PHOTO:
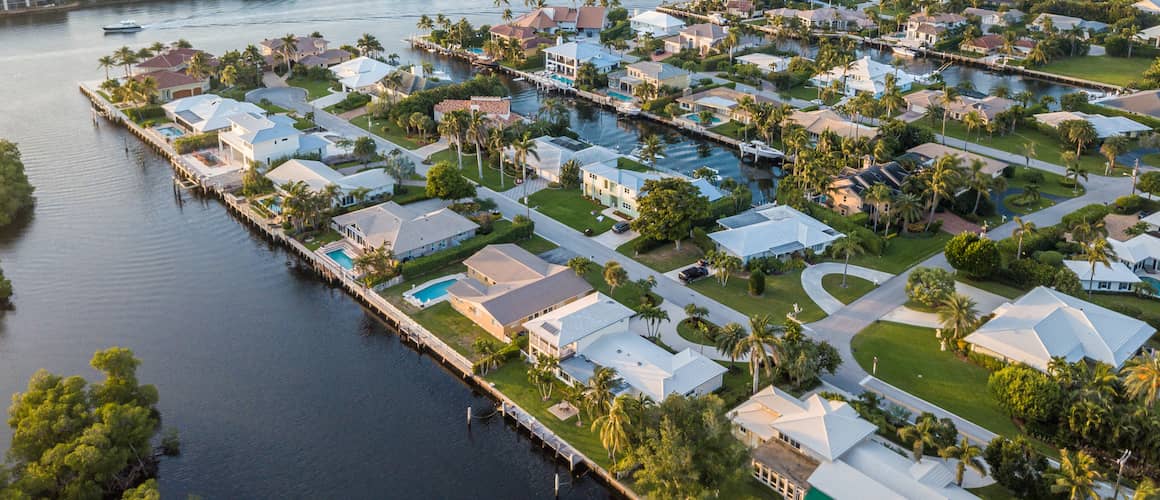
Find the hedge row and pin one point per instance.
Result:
(143, 113)
(422, 265)
(190, 143)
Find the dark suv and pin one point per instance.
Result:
(692, 274)
(620, 227)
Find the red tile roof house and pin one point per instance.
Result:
(739, 8)
(529, 40)
(496, 109)
(175, 60)
(986, 44)
(586, 21)
(174, 85)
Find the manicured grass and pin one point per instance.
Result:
(315, 89)
(321, 239)
(1114, 70)
(1145, 305)
(272, 108)
(1152, 159)
(995, 491)
(490, 179)
(390, 131)
(994, 287)
(1047, 147)
(625, 163)
(411, 195)
(691, 333)
(451, 327)
(303, 124)
(569, 207)
(737, 384)
(903, 252)
(1014, 203)
(630, 294)
(781, 293)
(666, 258)
(537, 245)
(730, 129)
(802, 92)
(855, 287)
(1053, 184)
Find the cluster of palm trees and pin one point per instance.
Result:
(771, 349)
(723, 264)
(926, 431)
(306, 209)
(1054, 44)
(473, 127)
(458, 33)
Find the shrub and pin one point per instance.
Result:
(645, 244)
(1126, 309)
(1009, 171)
(757, 283)
(930, 286)
(1128, 204)
(147, 112)
(975, 256)
(1049, 257)
(1030, 273)
(1091, 213)
(520, 229)
(987, 362)
(190, 143)
(353, 100)
(1032, 175)
(1067, 282)
(702, 240)
(1025, 393)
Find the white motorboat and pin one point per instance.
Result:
(760, 150)
(127, 26)
(904, 52)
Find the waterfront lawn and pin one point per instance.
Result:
(315, 89)
(570, 208)
(320, 239)
(537, 244)
(903, 252)
(666, 257)
(388, 130)
(630, 294)
(731, 129)
(855, 287)
(781, 293)
(1047, 146)
(1120, 71)
(450, 326)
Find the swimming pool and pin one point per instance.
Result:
(475, 50)
(342, 258)
(618, 96)
(169, 131)
(561, 79)
(435, 291)
(1152, 281)
(697, 119)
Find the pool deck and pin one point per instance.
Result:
(409, 295)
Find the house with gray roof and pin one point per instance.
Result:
(372, 183)
(620, 188)
(406, 232)
(772, 231)
(507, 286)
(258, 138)
(653, 73)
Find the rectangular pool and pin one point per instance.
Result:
(170, 132)
(434, 291)
(697, 119)
(342, 258)
(618, 96)
(476, 50)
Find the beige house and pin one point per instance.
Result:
(724, 102)
(848, 191)
(175, 85)
(407, 233)
(930, 152)
(703, 38)
(506, 286)
(826, 18)
(927, 29)
(988, 107)
(272, 48)
(654, 73)
(819, 121)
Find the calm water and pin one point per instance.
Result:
(281, 386)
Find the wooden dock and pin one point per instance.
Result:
(408, 330)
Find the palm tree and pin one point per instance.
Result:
(957, 313)
(523, 147)
(580, 265)
(1111, 148)
(1022, 228)
(979, 181)
(614, 275)
(1076, 477)
(762, 346)
(909, 208)
(425, 23)
(614, 427)
(727, 339)
(476, 122)
(497, 140)
(451, 127)
(696, 314)
(369, 45)
(944, 179)
(891, 96)
(922, 433)
(1029, 152)
(106, 63)
(878, 194)
(598, 392)
(949, 96)
(1142, 378)
(1097, 252)
(968, 455)
(651, 147)
(974, 121)
(653, 316)
(126, 58)
(229, 75)
(850, 245)
(197, 67)
(1074, 171)
(289, 48)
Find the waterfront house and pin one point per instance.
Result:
(412, 81)
(703, 38)
(1111, 278)
(927, 29)
(987, 107)
(772, 231)
(1148, 6)
(506, 286)
(373, 183)
(175, 85)
(497, 110)
(326, 59)
(847, 191)
(655, 24)
(362, 74)
(985, 45)
(740, 8)
(657, 74)
(930, 152)
(258, 138)
(1106, 126)
(1144, 102)
(585, 21)
(564, 59)
(1141, 253)
(530, 41)
(620, 188)
(827, 18)
(594, 332)
(989, 18)
(175, 60)
(1061, 23)
(272, 48)
(1044, 323)
(864, 75)
(820, 121)
(406, 232)
(724, 102)
(556, 151)
(767, 63)
(822, 447)
(207, 112)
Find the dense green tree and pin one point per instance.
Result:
(446, 182)
(1018, 467)
(757, 283)
(1067, 281)
(15, 191)
(668, 209)
(1025, 393)
(973, 255)
(930, 286)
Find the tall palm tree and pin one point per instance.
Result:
(727, 339)
(369, 45)
(1142, 378)
(650, 148)
(229, 75)
(980, 181)
(958, 314)
(891, 99)
(497, 141)
(1022, 228)
(476, 122)
(974, 121)
(198, 67)
(1076, 477)
(949, 96)
(762, 346)
(425, 23)
(944, 179)
(847, 246)
(922, 433)
(1073, 170)
(908, 206)
(106, 63)
(451, 127)
(614, 426)
(653, 316)
(524, 147)
(126, 58)
(1097, 252)
(968, 455)
(614, 275)
(878, 194)
(1029, 152)
(289, 48)
(598, 392)
(1111, 148)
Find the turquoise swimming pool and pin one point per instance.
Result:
(1151, 281)
(618, 96)
(559, 78)
(697, 119)
(475, 50)
(342, 258)
(169, 131)
(434, 291)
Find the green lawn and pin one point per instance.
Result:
(666, 258)
(631, 164)
(995, 491)
(450, 326)
(1114, 70)
(1014, 204)
(855, 287)
(319, 240)
(781, 293)
(994, 287)
(315, 89)
(691, 333)
(737, 384)
(1152, 159)
(1053, 183)
(730, 129)
(1047, 147)
(569, 207)
(903, 252)
(802, 92)
(272, 108)
(390, 131)
(537, 244)
(490, 177)
(629, 294)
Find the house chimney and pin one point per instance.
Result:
(559, 41)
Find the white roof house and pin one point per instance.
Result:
(658, 24)
(775, 231)
(767, 63)
(406, 232)
(1106, 126)
(555, 151)
(864, 75)
(621, 188)
(361, 74)
(1045, 323)
(317, 176)
(565, 58)
(1139, 253)
(593, 331)
(207, 112)
(1149, 6)
(1116, 277)
(824, 445)
(256, 137)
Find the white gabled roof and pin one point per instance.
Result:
(584, 52)
(657, 19)
(402, 229)
(828, 428)
(650, 369)
(317, 176)
(579, 319)
(1106, 126)
(209, 112)
(874, 471)
(866, 75)
(1045, 323)
(783, 230)
(1115, 273)
(361, 72)
(1136, 249)
(258, 128)
(769, 62)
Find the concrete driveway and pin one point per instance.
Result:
(812, 282)
(613, 240)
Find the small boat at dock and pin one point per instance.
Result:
(759, 150)
(904, 52)
(127, 26)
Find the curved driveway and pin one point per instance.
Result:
(812, 282)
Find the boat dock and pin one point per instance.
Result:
(408, 330)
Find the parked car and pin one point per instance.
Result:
(692, 274)
(620, 227)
